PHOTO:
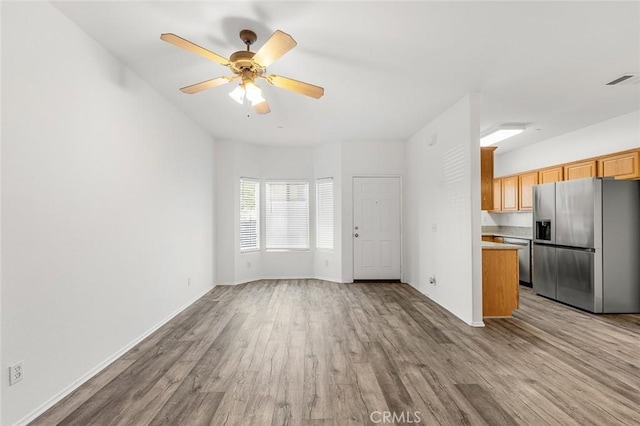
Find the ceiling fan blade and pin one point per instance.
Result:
(193, 48)
(262, 108)
(198, 87)
(296, 86)
(278, 44)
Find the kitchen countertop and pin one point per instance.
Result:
(509, 231)
(487, 245)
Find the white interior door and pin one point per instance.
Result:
(376, 228)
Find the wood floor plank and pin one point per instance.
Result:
(313, 352)
(80, 396)
(316, 402)
(232, 408)
(262, 400)
(289, 399)
(483, 402)
(190, 395)
(135, 381)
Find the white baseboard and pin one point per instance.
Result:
(470, 323)
(104, 364)
(239, 281)
(333, 280)
(248, 280)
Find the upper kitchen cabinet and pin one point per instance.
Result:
(497, 195)
(525, 189)
(486, 177)
(579, 170)
(620, 166)
(550, 175)
(510, 193)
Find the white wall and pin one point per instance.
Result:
(521, 219)
(617, 134)
(235, 160)
(442, 211)
(364, 158)
(225, 198)
(341, 161)
(290, 163)
(107, 207)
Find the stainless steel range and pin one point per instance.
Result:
(586, 247)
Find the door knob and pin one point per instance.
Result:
(356, 235)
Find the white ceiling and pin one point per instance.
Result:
(388, 68)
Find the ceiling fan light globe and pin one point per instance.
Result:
(237, 94)
(253, 93)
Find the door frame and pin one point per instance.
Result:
(353, 257)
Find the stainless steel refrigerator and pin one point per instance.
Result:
(586, 247)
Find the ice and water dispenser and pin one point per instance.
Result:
(543, 230)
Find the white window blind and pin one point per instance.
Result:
(324, 214)
(287, 215)
(249, 214)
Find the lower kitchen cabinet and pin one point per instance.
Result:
(500, 284)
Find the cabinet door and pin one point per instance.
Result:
(497, 195)
(621, 166)
(525, 189)
(486, 177)
(510, 193)
(550, 175)
(581, 170)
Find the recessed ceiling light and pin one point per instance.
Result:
(501, 133)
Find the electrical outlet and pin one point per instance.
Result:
(326, 263)
(188, 281)
(15, 373)
(432, 279)
(248, 264)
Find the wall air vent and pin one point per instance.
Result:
(625, 79)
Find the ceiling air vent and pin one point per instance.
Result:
(624, 79)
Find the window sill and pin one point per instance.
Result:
(287, 250)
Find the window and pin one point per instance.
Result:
(324, 214)
(249, 215)
(287, 215)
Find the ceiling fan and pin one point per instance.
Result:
(249, 66)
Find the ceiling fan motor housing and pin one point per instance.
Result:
(242, 61)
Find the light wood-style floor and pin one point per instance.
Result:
(312, 352)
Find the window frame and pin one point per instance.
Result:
(258, 213)
(319, 182)
(267, 204)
